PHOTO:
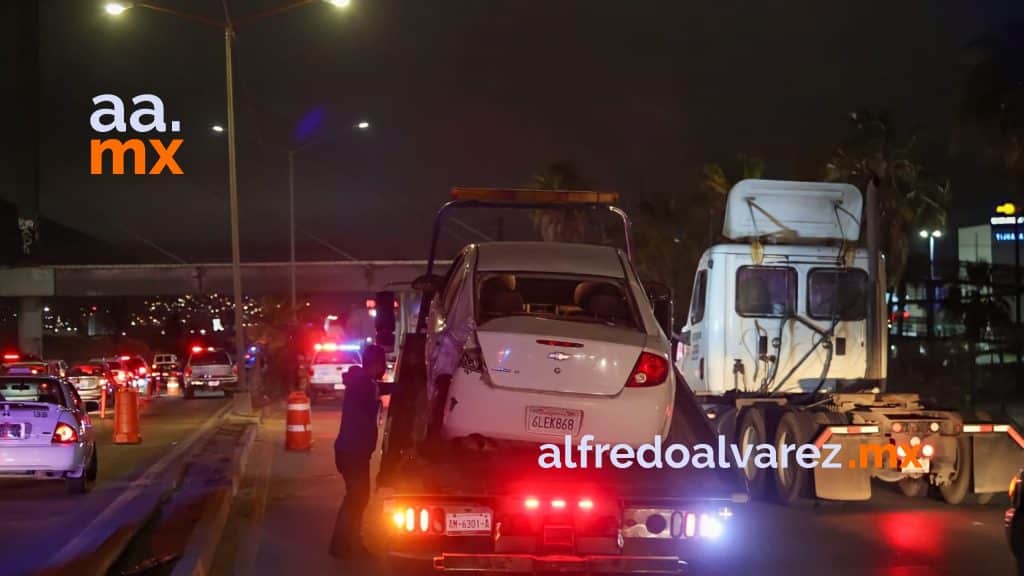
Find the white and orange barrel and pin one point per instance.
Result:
(298, 427)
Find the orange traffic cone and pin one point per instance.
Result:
(126, 416)
(298, 429)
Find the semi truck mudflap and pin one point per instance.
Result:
(998, 455)
(536, 564)
(849, 480)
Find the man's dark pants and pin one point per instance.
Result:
(355, 469)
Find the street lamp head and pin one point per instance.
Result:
(217, 128)
(936, 233)
(364, 125)
(116, 8)
(339, 3)
(923, 233)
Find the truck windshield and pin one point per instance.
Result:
(765, 291)
(563, 297)
(837, 293)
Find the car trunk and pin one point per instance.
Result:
(548, 355)
(27, 423)
(86, 382)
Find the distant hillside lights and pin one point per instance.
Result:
(147, 116)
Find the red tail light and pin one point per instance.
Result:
(142, 370)
(188, 370)
(650, 370)
(311, 372)
(64, 434)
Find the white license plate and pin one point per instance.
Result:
(553, 421)
(339, 386)
(467, 522)
(212, 383)
(908, 467)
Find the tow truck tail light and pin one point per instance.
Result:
(586, 504)
(531, 503)
(650, 370)
(412, 519)
(64, 434)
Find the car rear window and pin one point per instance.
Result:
(337, 357)
(25, 369)
(563, 297)
(209, 358)
(48, 391)
(86, 370)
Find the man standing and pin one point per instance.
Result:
(357, 439)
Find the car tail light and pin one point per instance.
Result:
(142, 370)
(64, 434)
(310, 371)
(188, 370)
(650, 370)
(234, 369)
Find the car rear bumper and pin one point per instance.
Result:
(212, 384)
(533, 564)
(25, 460)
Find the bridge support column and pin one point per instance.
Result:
(30, 325)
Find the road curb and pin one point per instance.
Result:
(141, 494)
(201, 548)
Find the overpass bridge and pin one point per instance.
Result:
(29, 285)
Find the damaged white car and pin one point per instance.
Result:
(561, 336)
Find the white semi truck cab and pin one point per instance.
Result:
(776, 347)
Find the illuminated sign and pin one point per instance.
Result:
(1008, 208)
(1006, 220)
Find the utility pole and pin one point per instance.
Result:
(875, 355)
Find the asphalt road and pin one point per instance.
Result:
(290, 499)
(39, 517)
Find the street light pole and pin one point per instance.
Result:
(244, 402)
(291, 230)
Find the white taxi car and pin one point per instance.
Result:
(330, 362)
(560, 336)
(45, 432)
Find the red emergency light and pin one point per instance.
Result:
(12, 356)
(197, 349)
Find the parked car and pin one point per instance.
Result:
(45, 431)
(210, 369)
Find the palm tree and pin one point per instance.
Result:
(559, 225)
(909, 197)
(991, 115)
(673, 229)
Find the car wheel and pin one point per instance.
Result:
(751, 431)
(792, 482)
(957, 489)
(914, 487)
(94, 465)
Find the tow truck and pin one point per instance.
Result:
(785, 343)
(513, 349)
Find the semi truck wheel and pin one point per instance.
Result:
(792, 481)
(914, 487)
(751, 431)
(957, 489)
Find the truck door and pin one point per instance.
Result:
(691, 361)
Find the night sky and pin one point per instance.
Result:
(639, 94)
